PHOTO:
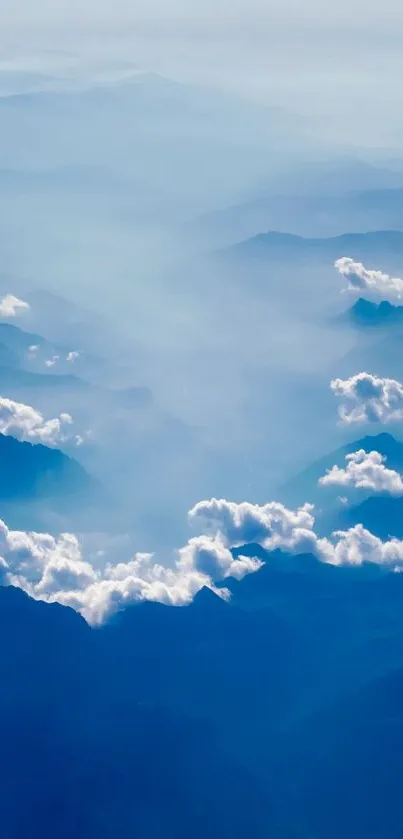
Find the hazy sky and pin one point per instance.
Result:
(339, 61)
(355, 12)
(263, 46)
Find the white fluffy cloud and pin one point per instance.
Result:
(365, 470)
(55, 570)
(25, 423)
(274, 526)
(271, 525)
(368, 398)
(372, 285)
(358, 545)
(50, 362)
(11, 306)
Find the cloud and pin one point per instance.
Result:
(365, 470)
(50, 362)
(55, 570)
(72, 356)
(368, 398)
(11, 306)
(271, 525)
(370, 284)
(274, 526)
(211, 557)
(358, 545)
(25, 423)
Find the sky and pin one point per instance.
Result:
(106, 188)
(201, 381)
(340, 62)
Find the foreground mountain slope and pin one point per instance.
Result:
(246, 717)
(97, 761)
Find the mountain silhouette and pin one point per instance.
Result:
(255, 716)
(381, 514)
(288, 247)
(33, 471)
(19, 341)
(304, 486)
(366, 313)
(326, 212)
(95, 756)
(383, 354)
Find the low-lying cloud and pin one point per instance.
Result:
(11, 306)
(365, 470)
(271, 525)
(368, 398)
(274, 526)
(25, 423)
(370, 284)
(55, 570)
(50, 362)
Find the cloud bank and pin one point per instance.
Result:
(370, 284)
(11, 306)
(55, 570)
(368, 398)
(365, 470)
(271, 525)
(25, 423)
(274, 526)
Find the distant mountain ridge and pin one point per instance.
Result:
(22, 369)
(366, 313)
(18, 340)
(304, 486)
(381, 514)
(34, 472)
(275, 245)
(306, 214)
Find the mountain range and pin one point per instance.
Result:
(373, 245)
(380, 513)
(365, 313)
(33, 471)
(24, 374)
(276, 713)
(42, 485)
(304, 486)
(309, 212)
